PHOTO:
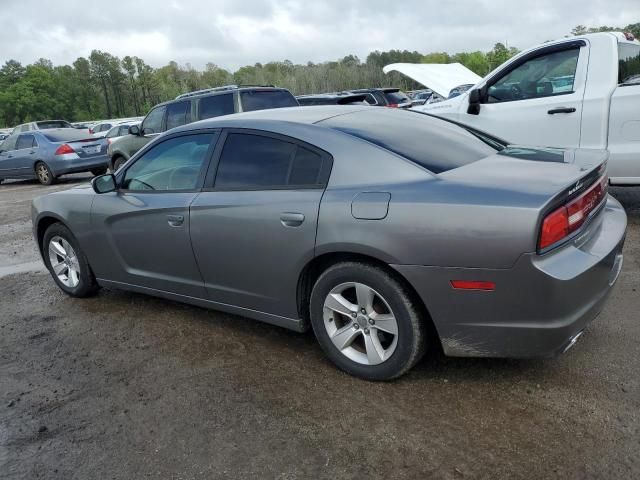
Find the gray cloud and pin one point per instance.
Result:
(231, 33)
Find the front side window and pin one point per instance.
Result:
(153, 122)
(257, 162)
(215, 106)
(178, 114)
(25, 141)
(174, 164)
(9, 144)
(543, 76)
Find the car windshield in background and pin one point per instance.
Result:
(53, 124)
(263, 99)
(66, 135)
(396, 97)
(442, 145)
(628, 64)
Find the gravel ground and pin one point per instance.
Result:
(126, 386)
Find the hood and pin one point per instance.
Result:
(439, 77)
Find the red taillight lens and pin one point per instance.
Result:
(91, 131)
(64, 148)
(567, 219)
(393, 105)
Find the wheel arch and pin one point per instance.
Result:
(42, 224)
(314, 268)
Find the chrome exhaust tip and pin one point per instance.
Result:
(573, 341)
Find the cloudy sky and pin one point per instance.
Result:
(232, 33)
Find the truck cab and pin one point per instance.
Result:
(576, 92)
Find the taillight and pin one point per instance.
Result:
(565, 220)
(64, 148)
(392, 105)
(91, 131)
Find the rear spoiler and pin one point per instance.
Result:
(345, 100)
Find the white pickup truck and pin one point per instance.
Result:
(576, 92)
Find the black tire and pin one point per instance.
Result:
(87, 285)
(99, 171)
(44, 174)
(412, 332)
(118, 162)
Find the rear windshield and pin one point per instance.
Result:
(263, 99)
(53, 124)
(628, 64)
(66, 135)
(396, 97)
(435, 144)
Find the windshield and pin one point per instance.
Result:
(436, 144)
(628, 64)
(262, 99)
(66, 135)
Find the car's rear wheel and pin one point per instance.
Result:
(67, 263)
(117, 163)
(366, 321)
(99, 171)
(44, 174)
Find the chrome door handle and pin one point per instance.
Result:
(291, 219)
(175, 220)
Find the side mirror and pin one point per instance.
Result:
(134, 130)
(474, 102)
(104, 183)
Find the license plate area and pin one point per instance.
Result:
(91, 150)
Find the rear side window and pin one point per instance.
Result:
(441, 146)
(215, 106)
(262, 99)
(178, 114)
(25, 141)
(257, 162)
(628, 64)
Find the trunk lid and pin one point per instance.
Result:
(89, 147)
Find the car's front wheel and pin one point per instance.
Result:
(366, 321)
(44, 174)
(67, 263)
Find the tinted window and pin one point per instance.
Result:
(628, 64)
(53, 124)
(123, 130)
(174, 164)
(216, 105)
(542, 76)
(25, 141)
(153, 122)
(263, 99)
(9, 143)
(396, 97)
(442, 145)
(178, 114)
(253, 161)
(66, 135)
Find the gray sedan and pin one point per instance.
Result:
(338, 219)
(48, 154)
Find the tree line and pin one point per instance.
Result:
(105, 86)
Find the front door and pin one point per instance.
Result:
(538, 102)
(141, 232)
(255, 228)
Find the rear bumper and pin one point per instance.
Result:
(538, 306)
(75, 165)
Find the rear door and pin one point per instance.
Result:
(538, 100)
(140, 233)
(254, 227)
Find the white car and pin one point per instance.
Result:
(119, 130)
(551, 95)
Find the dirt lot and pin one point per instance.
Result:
(126, 386)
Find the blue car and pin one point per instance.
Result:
(48, 154)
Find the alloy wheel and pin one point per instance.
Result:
(64, 262)
(360, 323)
(43, 173)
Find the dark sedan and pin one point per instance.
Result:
(332, 217)
(48, 154)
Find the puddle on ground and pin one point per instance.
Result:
(35, 266)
